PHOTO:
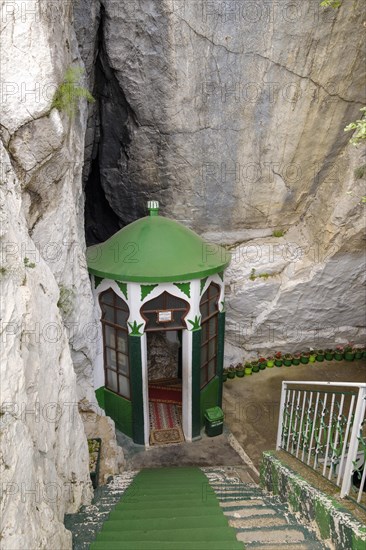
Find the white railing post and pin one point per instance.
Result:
(353, 445)
(280, 418)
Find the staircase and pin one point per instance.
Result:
(261, 520)
(167, 509)
(187, 509)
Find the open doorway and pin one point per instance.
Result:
(164, 364)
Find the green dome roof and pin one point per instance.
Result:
(156, 249)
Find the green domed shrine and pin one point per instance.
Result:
(159, 294)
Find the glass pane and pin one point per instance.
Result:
(107, 297)
(112, 380)
(108, 313)
(123, 363)
(124, 386)
(212, 348)
(213, 306)
(111, 358)
(203, 377)
(203, 354)
(212, 326)
(204, 332)
(211, 369)
(109, 336)
(121, 317)
(204, 310)
(122, 341)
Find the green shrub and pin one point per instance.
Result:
(69, 92)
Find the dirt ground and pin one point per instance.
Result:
(251, 404)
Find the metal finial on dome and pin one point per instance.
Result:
(153, 207)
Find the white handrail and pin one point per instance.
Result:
(327, 431)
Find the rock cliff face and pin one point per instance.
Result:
(232, 116)
(47, 341)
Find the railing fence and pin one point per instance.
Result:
(323, 425)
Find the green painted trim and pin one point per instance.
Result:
(97, 281)
(220, 354)
(137, 399)
(135, 328)
(145, 290)
(185, 288)
(196, 382)
(203, 282)
(196, 324)
(123, 288)
(117, 407)
(209, 397)
(221, 275)
(154, 279)
(99, 394)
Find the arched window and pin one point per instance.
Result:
(115, 313)
(166, 312)
(209, 333)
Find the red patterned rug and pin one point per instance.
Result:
(167, 437)
(165, 391)
(164, 415)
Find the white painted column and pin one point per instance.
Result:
(187, 384)
(145, 388)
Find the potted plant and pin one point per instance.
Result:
(312, 356)
(305, 357)
(247, 369)
(224, 375)
(349, 352)
(320, 354)
(278, 359)
(338, 354)
(329, 354)
(94, 446)
(287, 359)
(358, 353)
(296, 359)
(255, 366)
(270, 362)
(231, 372)
(262, 363)
(239, 370)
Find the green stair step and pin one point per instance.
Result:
(165, 503)
(163, 545)
(163, 524)
(172, 535)
(195, 511)
(168, 500)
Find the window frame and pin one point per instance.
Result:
(114, 328)
(211, 335)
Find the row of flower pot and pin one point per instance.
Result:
(347, 353)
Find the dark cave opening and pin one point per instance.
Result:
(109, 199)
